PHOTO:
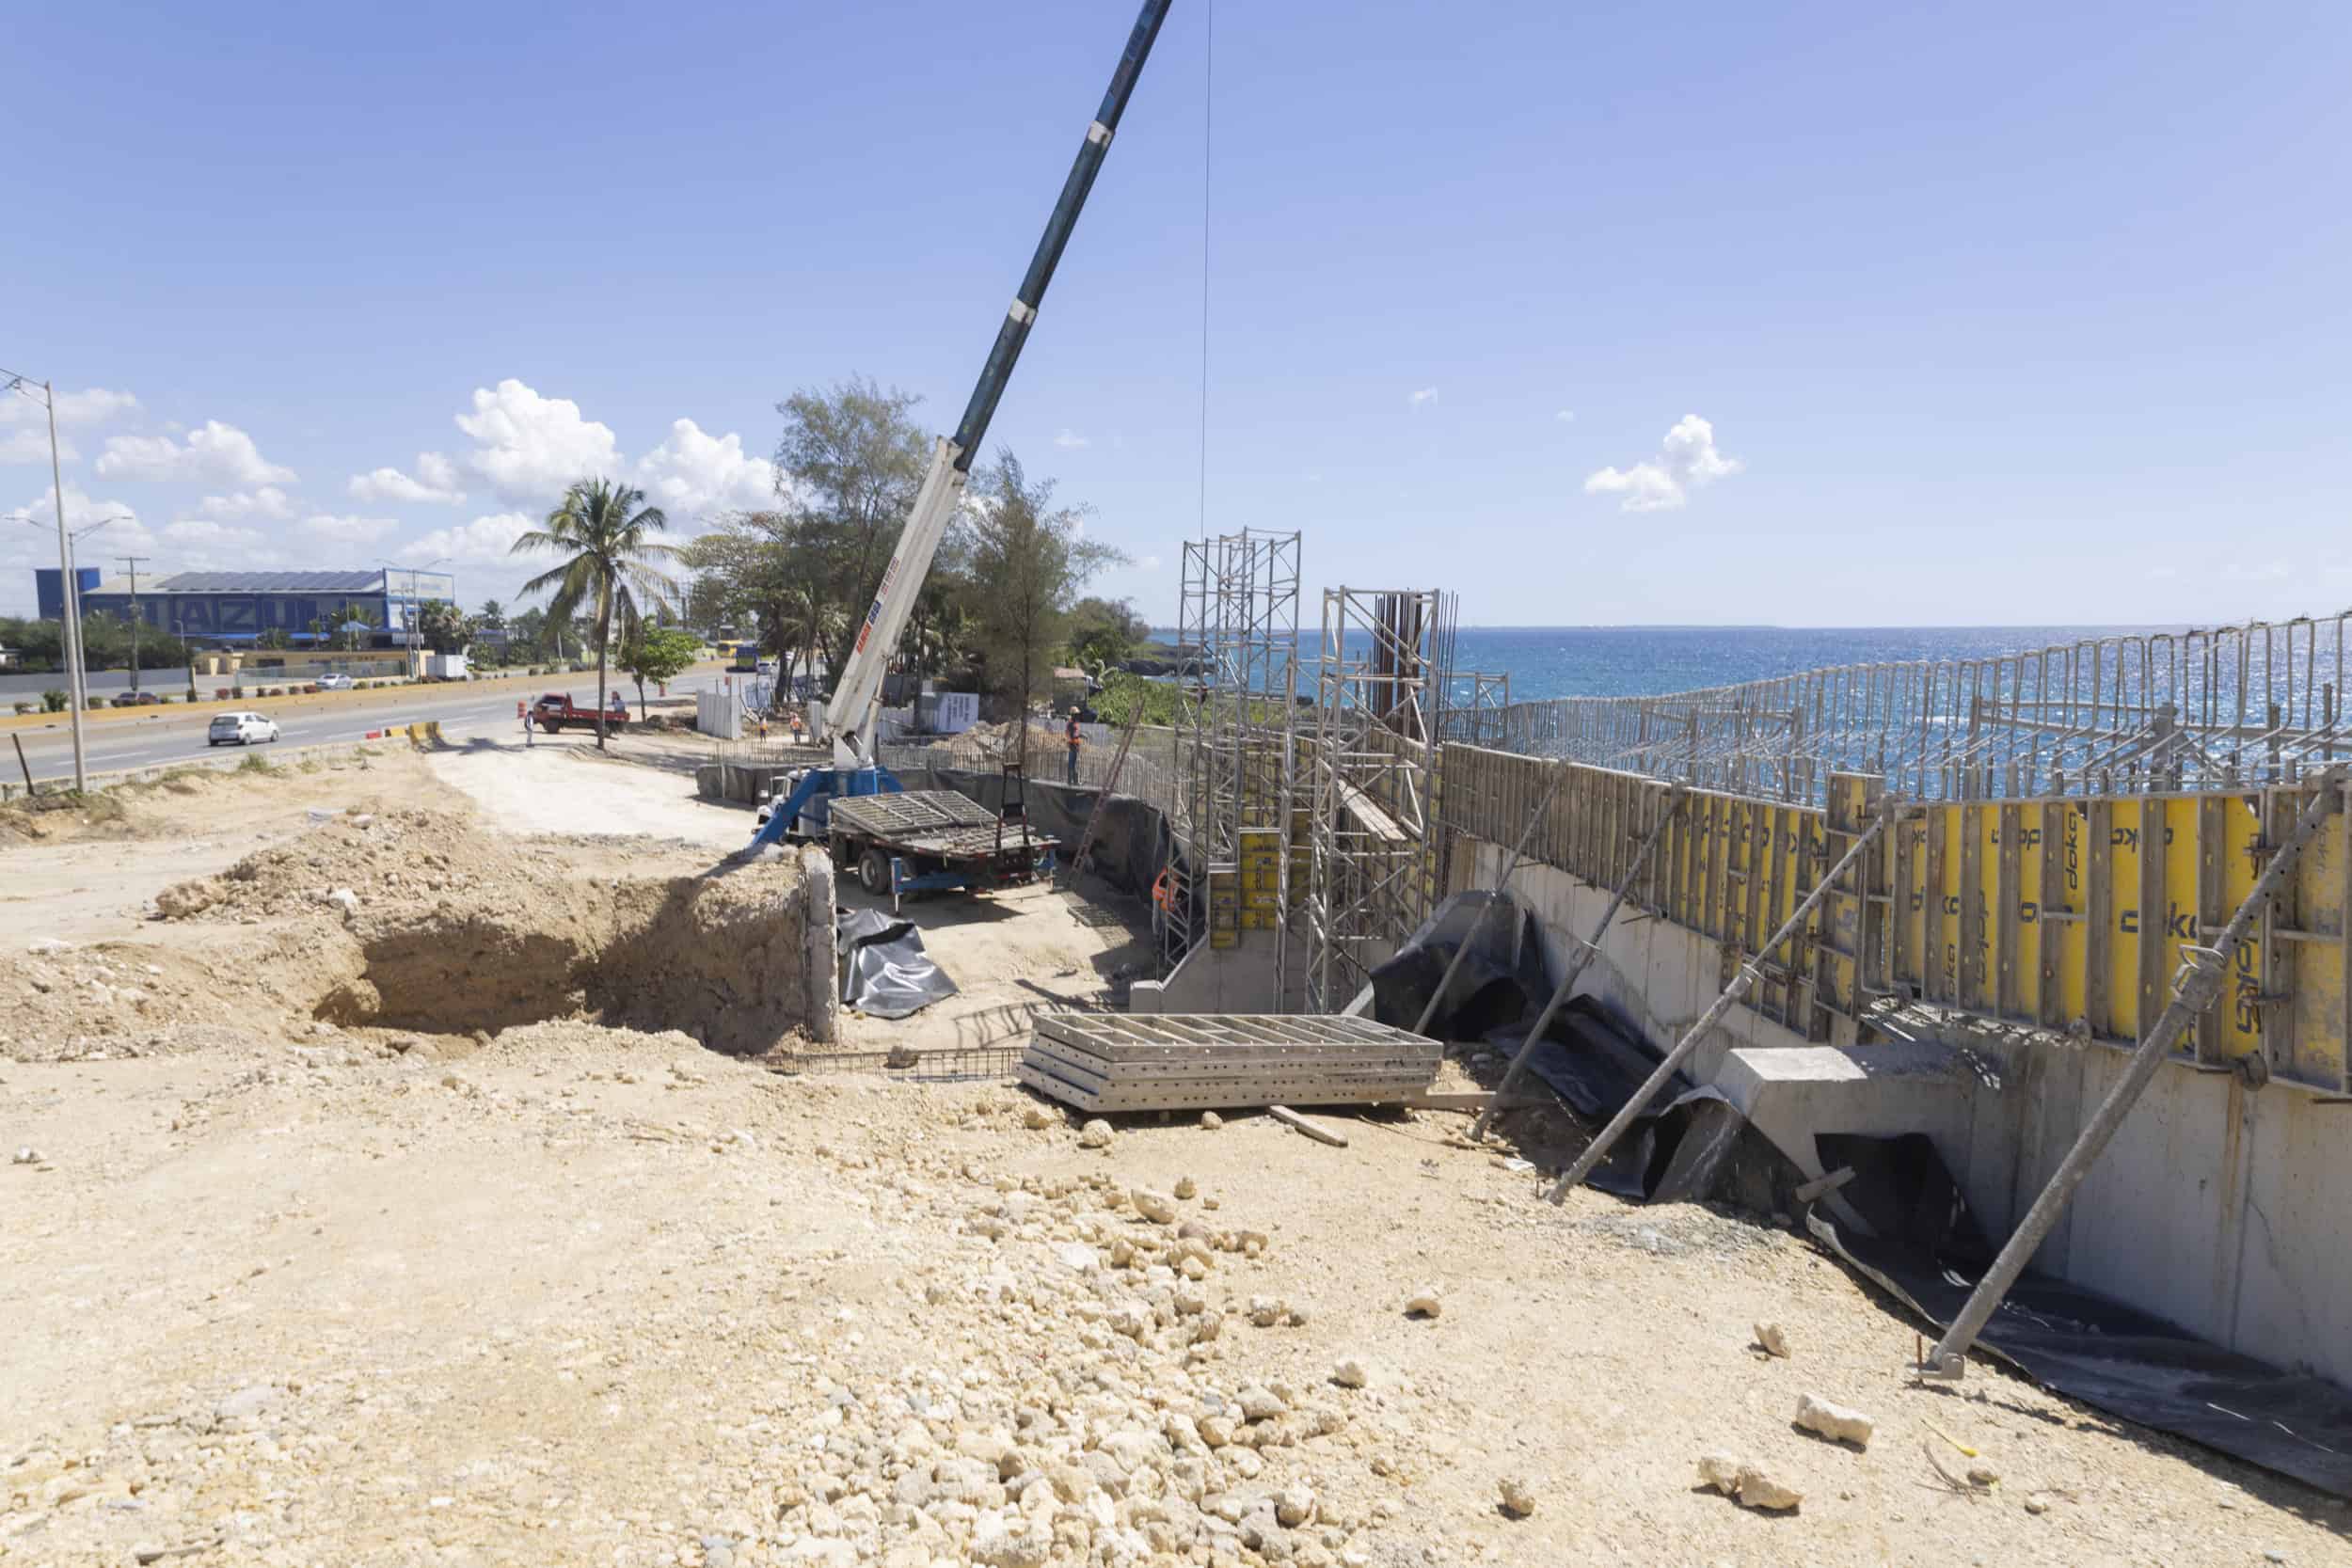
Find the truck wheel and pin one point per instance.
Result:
(873, 873)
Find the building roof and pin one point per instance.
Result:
(270, 582)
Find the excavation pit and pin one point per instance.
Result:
(720, 958)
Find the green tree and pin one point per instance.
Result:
(657, 654)
(1033, 557)
(355, 623)
(605, 534)
(849, 464)
(1104, 633)
(443, 627)
(527, 631)
(804, 623)
(492, 613)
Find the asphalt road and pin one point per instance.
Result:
(171, 736)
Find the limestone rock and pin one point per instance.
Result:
(1774, 1341)
(183, 899)
(1186, 1187)
(1036, 1117)
(1758, 1490)
(1096, 1133)
(346, 900)
(1260, 1403)
(1211, 1121)
(1294, 1505)
(1834, 1421)
(1518, 1501)
(1423, 1304)
(1720, 1471)
(1351, 1372)
(1158, 1207)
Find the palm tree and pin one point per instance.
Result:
(356, 623)
(804, 623)
(604, 529)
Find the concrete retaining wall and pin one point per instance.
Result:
(2225, 1210)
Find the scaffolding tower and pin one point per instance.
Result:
(1383, 686)
(1235, 822)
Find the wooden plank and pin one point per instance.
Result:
(1291, 1119)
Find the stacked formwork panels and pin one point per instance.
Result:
(1382, 691)
(1235, 821)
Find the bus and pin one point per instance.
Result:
(746, 658)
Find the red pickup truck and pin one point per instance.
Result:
(555, 710)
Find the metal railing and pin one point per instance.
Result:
(2141, 712)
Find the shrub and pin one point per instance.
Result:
(23, 707)
(253, 763)
(52, 700)
(101, 702)
(221, 695)
(310, 690)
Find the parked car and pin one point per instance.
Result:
(334, 682)
(244, 728)
(136, 698)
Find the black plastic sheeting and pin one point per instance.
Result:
(1586, 1057)
(884, 971)
(1929, 1253)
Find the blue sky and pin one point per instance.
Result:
(2020, 314)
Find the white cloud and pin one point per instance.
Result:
(216, 453)
(1565, 416)
(1687, 461)
(1070, 440)
(75, 410)
(267, 502)
(1150, 563)
(27, 444)
(203, 531)
(344, 529)
(80, 513)
(485, 539)
(529, 447)
(1426, 394)
(694, 472)
(438, 485)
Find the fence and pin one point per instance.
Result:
(2145, 712)
(2068, 914)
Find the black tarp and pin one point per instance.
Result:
(1929, 1253)
(1587, 1057)
(884, 971)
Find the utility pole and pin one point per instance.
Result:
(71, 605)
(133, 562)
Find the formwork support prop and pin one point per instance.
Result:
(1510, 864)
(2196, 986)
(1576, 964)
(1740, 985)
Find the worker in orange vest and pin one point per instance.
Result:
(1076, 740)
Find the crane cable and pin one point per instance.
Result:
(1208, 125)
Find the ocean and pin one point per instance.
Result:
(1635, 661)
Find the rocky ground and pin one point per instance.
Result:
(293, 1292)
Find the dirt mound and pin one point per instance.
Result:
(64, 1003)
(377, 856)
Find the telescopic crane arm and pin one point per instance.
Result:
(857, 693)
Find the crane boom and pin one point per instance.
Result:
(857, 694)
(847, 718)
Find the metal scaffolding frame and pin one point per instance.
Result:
(1384, 681)
(2135, 713)
(1236, 718)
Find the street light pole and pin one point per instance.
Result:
(133, 562)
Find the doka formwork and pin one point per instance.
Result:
(1224, 1061)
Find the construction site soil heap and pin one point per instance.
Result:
(423, 924)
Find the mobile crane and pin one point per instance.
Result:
(846, 719)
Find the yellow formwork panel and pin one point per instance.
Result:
(1947, 825)
(2319, 1020)
(2026, 963)
(1982, 924)
(1913, 899)
(2122, 961)
(2241, 1030)
(2071, 959)
(2177, 928)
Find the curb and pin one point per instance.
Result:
(419, 734)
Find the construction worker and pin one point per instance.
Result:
(531, 726)
(1075, 740)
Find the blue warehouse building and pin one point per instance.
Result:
(239, 607)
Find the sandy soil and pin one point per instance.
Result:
(561, 784)
(297, 1293)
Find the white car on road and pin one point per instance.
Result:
(334, 682)
(242, 728)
